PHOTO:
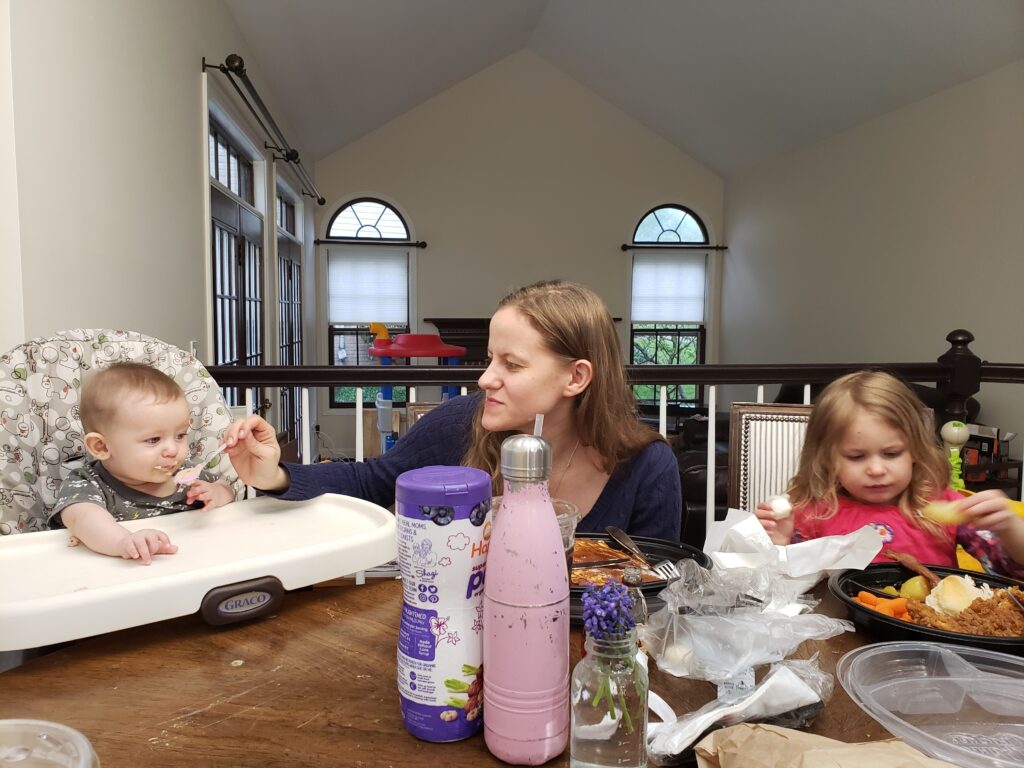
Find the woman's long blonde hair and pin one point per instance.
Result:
(574, 324)
(880, 394)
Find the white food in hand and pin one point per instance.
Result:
(781, 508)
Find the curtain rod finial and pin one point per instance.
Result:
(235, 64)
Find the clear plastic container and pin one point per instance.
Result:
(44, 744)
(964, 705)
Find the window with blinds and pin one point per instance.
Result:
(366, 284)
(667, 312)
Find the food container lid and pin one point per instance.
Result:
(525, 457)
(44, 743)
(443, 486)
(955, 703)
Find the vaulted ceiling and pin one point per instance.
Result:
(730, 82)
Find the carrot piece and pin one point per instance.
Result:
(899, 605)
(867, 598)
(885, 610)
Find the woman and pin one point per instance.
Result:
(552, 349)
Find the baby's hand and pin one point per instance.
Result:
(142, 545)
(780, 531)
(989, 511)
(211, 494)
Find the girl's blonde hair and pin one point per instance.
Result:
(884, 396)
(574, 324)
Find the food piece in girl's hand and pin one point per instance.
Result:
(943, 512)
(781, 508)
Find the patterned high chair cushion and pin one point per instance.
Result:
(41, 433)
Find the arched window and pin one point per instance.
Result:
(368, 251)
(370, 219)
(668, 296)
(670, 224)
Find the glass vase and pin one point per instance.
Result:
(609, 705)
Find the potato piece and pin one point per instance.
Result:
(915, 588)
(891, 590)
(943, 512)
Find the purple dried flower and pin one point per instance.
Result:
(607, 610)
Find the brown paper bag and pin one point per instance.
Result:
(750, 745)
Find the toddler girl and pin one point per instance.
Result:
(870, 458)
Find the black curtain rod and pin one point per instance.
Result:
(233, 67)
(672, 247)
(367, 241)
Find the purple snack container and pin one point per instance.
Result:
(444, 529)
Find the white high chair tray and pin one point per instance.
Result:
(50, 592)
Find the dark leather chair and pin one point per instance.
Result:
(690, 447)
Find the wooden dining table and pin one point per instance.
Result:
(312, 685)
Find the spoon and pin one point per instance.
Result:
(188, 475)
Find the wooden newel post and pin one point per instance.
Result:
(964, 377)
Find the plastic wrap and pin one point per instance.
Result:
(717, 625)
(790, 695)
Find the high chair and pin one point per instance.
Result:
(41, 433)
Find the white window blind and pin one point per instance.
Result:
(367, 286)
(668, 287)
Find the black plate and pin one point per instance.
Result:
(654, 550)
(842, 585)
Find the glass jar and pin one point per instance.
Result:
(633, 581)
(609, 705)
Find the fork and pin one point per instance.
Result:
(666, 568)
(1015, 599)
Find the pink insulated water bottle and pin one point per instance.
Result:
(526, 614)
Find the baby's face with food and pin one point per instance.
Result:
(145, 443)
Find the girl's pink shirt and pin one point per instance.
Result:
(894, 529)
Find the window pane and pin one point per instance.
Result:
(222, 161)
(369, 219)
(233, 184)
(666, 344)
(670, 224)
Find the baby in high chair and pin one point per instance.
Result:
(136, 419)
(870, 458)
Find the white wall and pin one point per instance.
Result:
(12, 318)
(518, 174)
(109, 113)
(874, 244)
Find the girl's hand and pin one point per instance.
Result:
(989, 511)
(142, 545)
(212, 495)
(255, 454)
(779, 531)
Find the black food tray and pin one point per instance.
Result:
(654, 550)
(846, 584)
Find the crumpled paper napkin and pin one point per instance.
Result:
(740, 541)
